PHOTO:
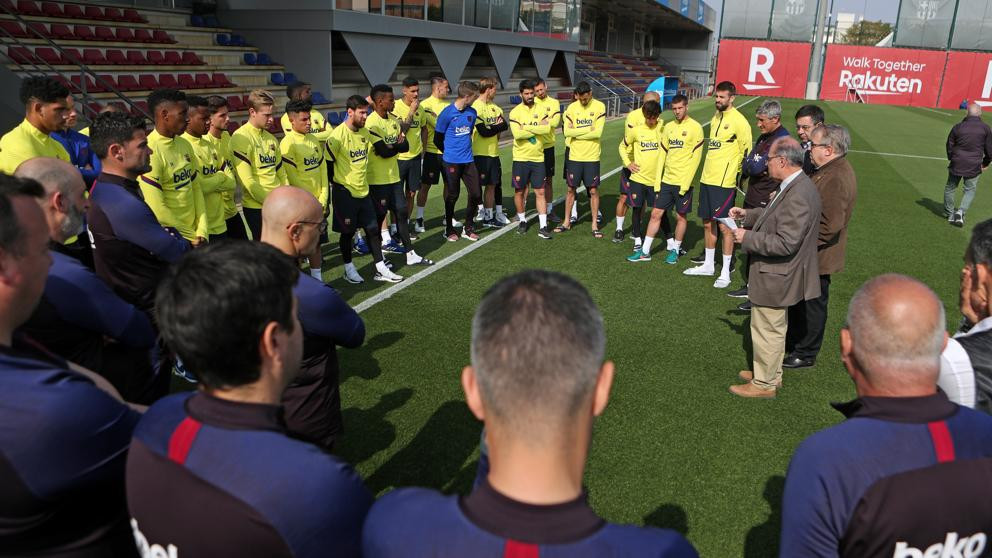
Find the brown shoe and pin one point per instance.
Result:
(746, 375)
(753, 391)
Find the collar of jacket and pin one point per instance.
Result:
(927, 408)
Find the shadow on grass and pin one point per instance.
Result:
(436, 454)
(361, 362)
(934, 206)
(669, 516)
(763, 540)
(743, 329)
(367, 431)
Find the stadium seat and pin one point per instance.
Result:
(250, 59)
(113, 14)
(60, 31)
(161, 36)
(51, 9)
(143, 36)
(72, 11)
(93, 12)
(91, 86)
(234, 103)
(318, 98)
(104, 33)
(106, 82)
(71, 56)
(93, 56)
(190, 58)
(124, 35)
(232, 126)
(28, 7)
(288, 78)
(333, 118)
(45, 54)
(155, 58)
(140, 108)
(147, 81)
(13, 29)
(168, 81)
(196, 21)
(186, 81)
(128, 83)
(223, 39)
(515, 99)
(204, 81)
(264, 59)
(21, 55)
(93, 109)
(238, 40)
(220, 80)
(171, 58)
(210, 20)
(132, 15)
(36, 29)
(276, 78)
(564, 95)
(115, 56)
(136, 58)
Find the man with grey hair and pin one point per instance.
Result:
(537, 380)
(838, 187)
(969, 150)
(873, 485)
(780, 240)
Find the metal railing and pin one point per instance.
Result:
(602, 91)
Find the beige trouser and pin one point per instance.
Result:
(768, 328)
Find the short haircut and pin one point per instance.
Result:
(726, 86)
(526, 84)
(980, 246)
(260, 98)
(293, 88)
(582, 88)
(974, 109)
(216, 102)
(790, 149)
(11, 185)
(814, 112)
(410, 82)
(651, 109)
(11, 231)
(41, 88)
(539, 81)
(680, 98)
(836, 136)
(356, 102)
(487, 83)
(649, 95)
(770, 109)
(296, 106)
(379, 90)
(195, 101)
(467, 88)
(209, 312)
(437, 78)
(113, 127)
(537, 347)
(160, 96)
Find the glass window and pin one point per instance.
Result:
(793, 20)
(477, 13)
(924, 23)
(973, 26)
(747, 19)
(435, 10)
(527, 10)
(504, 12)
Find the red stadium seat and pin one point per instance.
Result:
(107, 82)
(136, 58)
(37, 28)
(115, 56)
(172, 58)
(104, 33)
(234, 103)
(203, 81)
(83, 32)
(190, 58)
(94, 12)
(186, 81)
(73, 11)
(13, 29)
(147, 81)
(124, 35)
(51, 9)
(48, 55)
(168, 81)
(143, 36)
(232, 126)
(133, 16)
(93, 109)
(155, 58)
(92, 56)
(128, 83)
(220, 80)
(21, 55)
(27, 7)
(140, 108)
(113, 14)
(71, 56)
(161, 36)
(91, 87)
(60, 31)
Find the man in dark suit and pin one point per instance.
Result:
(783, 269)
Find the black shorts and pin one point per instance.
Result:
(669, 198)
(527, 173)
(641, 194)
(624, 181)
(432, 168)
(490, 170)
(549, 162)
(715, 202)
(350, 213)
(387, 197)
(582, 172)
(410, 171)
(564, 166)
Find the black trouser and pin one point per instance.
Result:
(390, 197)
(254, 219)
(373, 239)
(807, 322)
(236, 228)
(218, 237)
(454, 173)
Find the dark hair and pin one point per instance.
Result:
(44, 89)
(680, 99)
(11, 232)
(582, 88)
(467, 88)
(651, 109)
(726, 86)
(216, 102)
(299, 106)
(293, 88)
(539, 81)
(210, 313)
(160, 96)
(980, 246)
(197, 102)
(526, 84)
(113, 127)
(379, 90)
(410, 82)
(355, 102)
(436, 78)
(814, 112)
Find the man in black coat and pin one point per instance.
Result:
(969, 150)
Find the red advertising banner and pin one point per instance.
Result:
(772, 68)
(968, 75)
(888, 76)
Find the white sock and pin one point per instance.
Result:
(350, 266)
(489, 213)
(575, 211)
(481, 208)
(670, 241)
(620, 222)
(676, 244)
(381, 267)
(499, 208)
(386, 237)
(315, 273)
(725, 270)
(543, 219)
(521, 217)
(710, 256)
(637, 240)
(420, 212)
(646, 246)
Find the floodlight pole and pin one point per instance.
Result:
(816, 66)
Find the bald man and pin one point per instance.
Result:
(292, 220)
(873, 485)
(79, 316)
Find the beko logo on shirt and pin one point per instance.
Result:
(312, 161)
(675, 143)
(264, 159)
(463, 130)
(154, 550)
(358, 154)
(583, 122)
(182, 176)
(649, 146)
(952, 547)
(715, 144)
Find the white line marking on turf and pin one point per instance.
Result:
(935, 110)
(897, 155)
(438, 266)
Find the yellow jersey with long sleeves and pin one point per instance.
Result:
(583, 126)
(350, 152)
(642, 145)
(172, 188)
(684, 149)
(319, 127)
(635, 118)
(257, 164)
(413, 137)
(432, 107)
(729, 142)
(527, 130)
(223, 147)
(27, 142)
(552, 110)
(214, 183)
(488, 114)
(305, 164)
(383, 170)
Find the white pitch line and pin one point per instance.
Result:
(935, 110)
(413, 279)
(897, 155)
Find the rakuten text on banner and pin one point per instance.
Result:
(772, 68)
(888, 76)
(968, 76)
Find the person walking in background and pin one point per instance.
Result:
(969, 150)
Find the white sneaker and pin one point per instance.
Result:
(721, 283)
(456, 224)
(481, 215)
(501, 218)
(388, 276)
(351, 275)
(418, 228)
(699, 270)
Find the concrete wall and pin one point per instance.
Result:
(11, 109)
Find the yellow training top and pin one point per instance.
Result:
(527, 130)
(729, 142)
(257, 163)
(319, 127)
(306, 167)
(27, 142)
(383, 170)
(172, 189)
(642, 145)
(417, 123)
(432, 107)
(684, 146)
(552, 109)
(350, 152)
(488, 114)
(223, 147)
(583, 125)
(214, 182)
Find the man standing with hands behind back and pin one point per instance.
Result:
(969, 150)
(783, 270)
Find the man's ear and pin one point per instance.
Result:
(473, 397)
(269, 343)
(57, 201)
(604, 383)
(847, 351)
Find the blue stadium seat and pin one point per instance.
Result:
(238, 40)
(211, 21)
(318, 98)
(288, 78)
(196, 21)
(264, 59)
(343, 115)
(223, 39)
(515, 99)
(250, 59)
(334, 118)
(276, 78)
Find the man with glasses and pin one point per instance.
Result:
(306, 167)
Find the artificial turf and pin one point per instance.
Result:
(674, 448)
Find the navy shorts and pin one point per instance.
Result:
(526, 173)
(410, 171)
(549, 162)
(351, 213)
(624, 181)
(641, 195)
(387, 197)
(715, 202)
(582, 172)
(433, 167)
(490, 170)
(564, 167)
(669, 198)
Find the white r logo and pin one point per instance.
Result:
(762, 60)
(987, 88)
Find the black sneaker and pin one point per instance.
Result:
(573, 220)
(700, 259)
(618, 237)
(522, 227)
(744, 306)
(544, 233)
(682, 252)
(739, 293)
(554, 218)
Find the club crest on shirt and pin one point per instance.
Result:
(684, 133)
(186, 156)
(726, 126)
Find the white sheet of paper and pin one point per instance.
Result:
(728, 222)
